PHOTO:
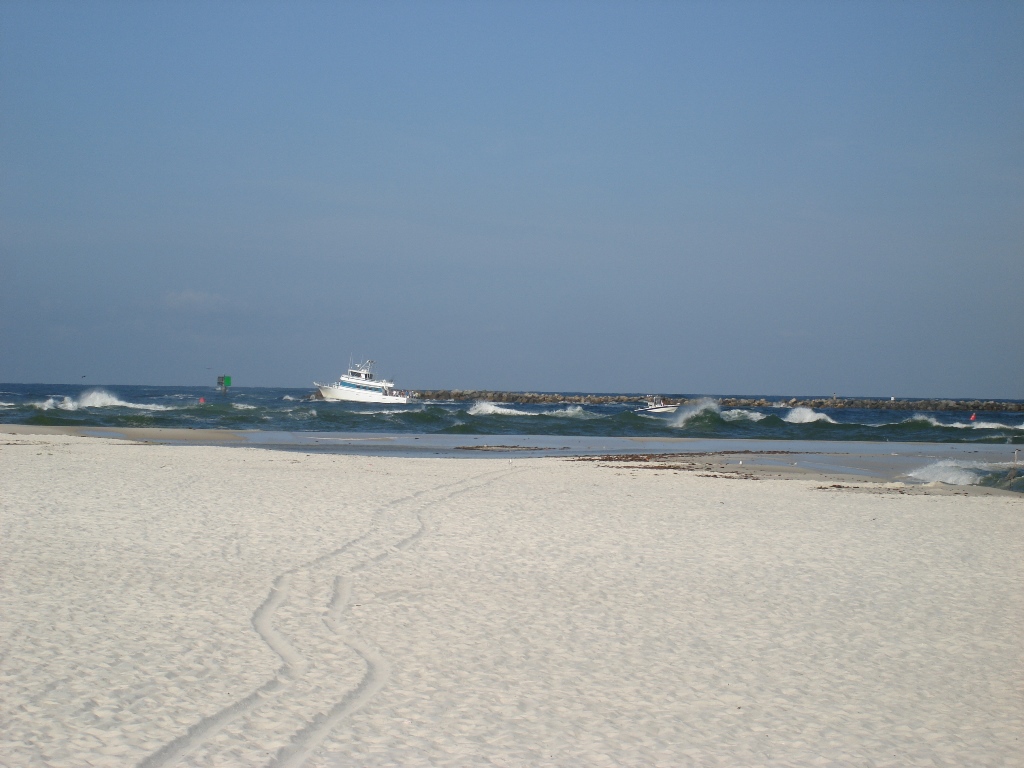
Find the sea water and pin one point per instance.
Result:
(276, 409)
(279, 410)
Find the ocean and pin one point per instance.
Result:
(979, 450)
(292, 410)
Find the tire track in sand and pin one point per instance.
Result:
(377, 673)
(294, 665)
(307, 740)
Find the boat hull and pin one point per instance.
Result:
(351, 394)
(658, 409)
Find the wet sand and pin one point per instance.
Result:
(831, 460)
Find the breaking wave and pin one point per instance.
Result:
(806, 416)
(493, 409)
(948, 472)
(574, 412)
(392, 411)
(691, 412)
(952, 472)
(483, 408)
(932, 421)
(243, 406)
(95, 398)
(738, 414)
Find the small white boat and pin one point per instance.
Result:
(656, 405)
(360, 386)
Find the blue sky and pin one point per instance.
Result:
(678, 197)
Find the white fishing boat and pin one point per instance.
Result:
(359, 385)
(656, 405)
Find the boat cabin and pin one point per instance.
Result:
(361, 371)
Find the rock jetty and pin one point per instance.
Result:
(875, 403)
(553, 398)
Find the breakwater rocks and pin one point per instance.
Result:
(526, 397)
(876, 404)
(542, 398)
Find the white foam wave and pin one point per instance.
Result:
(7, 405)
(738, 414)
(574, 412)
(804, 415)
(392, 411)
(953, 472)
(994, 425)
(926, 419)
(243, 406)
(963, 424)
(95, 398)
(289, 397)
(693, 410)
(483, 408)
(52, 403)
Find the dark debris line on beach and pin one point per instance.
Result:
(729, 402)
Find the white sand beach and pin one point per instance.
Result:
(220, 606)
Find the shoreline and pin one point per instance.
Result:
(824, 461)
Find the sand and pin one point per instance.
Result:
(212, 606)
